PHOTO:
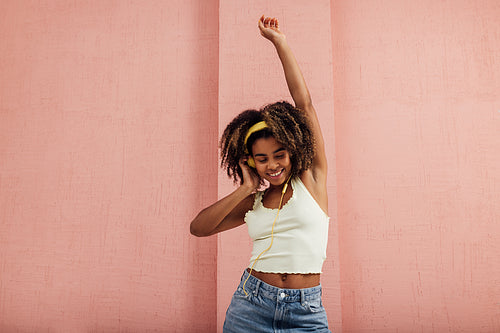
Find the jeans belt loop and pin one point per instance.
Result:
(256, 291)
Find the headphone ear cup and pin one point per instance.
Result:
(251, 162)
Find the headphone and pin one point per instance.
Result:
(255, 128)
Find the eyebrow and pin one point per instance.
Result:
(274, 152)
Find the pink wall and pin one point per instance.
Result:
(108, 110)
(417, 114)
(110, 116)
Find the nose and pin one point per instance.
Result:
(273, 164)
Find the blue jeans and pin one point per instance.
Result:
(271, 309)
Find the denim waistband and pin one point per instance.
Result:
(259, 287)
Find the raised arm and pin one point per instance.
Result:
(269, 28)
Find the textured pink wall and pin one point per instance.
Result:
(417, 113)
(107, 148)
(110, 115)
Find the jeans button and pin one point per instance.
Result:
(282, 295)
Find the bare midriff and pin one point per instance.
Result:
(288, 280)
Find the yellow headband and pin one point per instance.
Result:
(255, 128)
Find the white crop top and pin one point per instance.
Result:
(300, 233)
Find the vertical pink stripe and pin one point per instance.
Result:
(108, 146)
(417, 92)
(250, 76)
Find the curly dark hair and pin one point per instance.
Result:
(287, 124)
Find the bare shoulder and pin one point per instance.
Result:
(316, 185)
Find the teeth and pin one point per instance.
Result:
(276, 174)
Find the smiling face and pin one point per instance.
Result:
(272, 160)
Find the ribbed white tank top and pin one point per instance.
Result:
(300, 234)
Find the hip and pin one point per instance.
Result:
(266, 308)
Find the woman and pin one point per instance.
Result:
(281, 145)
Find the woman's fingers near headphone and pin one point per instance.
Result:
(250, 177)
(243, 161)
(244, 164)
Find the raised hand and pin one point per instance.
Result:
(269, 28)
(250, 177)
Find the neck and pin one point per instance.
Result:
(280, 186)
(276, 187)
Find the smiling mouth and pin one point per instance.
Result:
(276, 174)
